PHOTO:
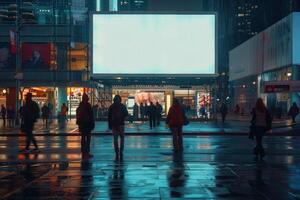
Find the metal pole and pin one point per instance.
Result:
(18, 59)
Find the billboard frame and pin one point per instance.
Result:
(130, 75)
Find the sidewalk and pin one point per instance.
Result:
(231, 127)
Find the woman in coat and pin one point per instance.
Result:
(175, 121)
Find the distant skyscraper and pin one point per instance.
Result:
(246, 15)
(132, 5)
(253, 16)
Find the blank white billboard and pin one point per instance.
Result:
(154, 44)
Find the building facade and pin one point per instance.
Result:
(267, 66)
(44, 49)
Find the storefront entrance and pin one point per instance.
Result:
(194, 100)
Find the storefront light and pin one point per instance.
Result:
(4, 91)
(289, 74)
(244, 86)
(253, 82)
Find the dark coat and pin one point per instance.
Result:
(30, 112)
(175, 117)
(117, 113)
(85, 118)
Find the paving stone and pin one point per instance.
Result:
(209, 168)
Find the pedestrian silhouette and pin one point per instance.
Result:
(175, 121)
(3, 114)
(237, 109)
(64, 111)
(117, 113)
(135, 112)
(223, 111)
(11, 114)
(95, 110)
(143, 110)
(260, 123)
(86, 123)
(293, 112)
(158, 110)
(152, 115)
(45, 114)
(29, 113)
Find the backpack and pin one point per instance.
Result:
(269, 121)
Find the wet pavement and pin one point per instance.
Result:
(230, 127)
(210, 167)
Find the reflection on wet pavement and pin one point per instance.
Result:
(215, 167)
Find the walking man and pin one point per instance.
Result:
(11, 114)
(158, 110)
(45, 114)
(223, 111)
(64, 111)
(3, 114)
(293, 112)
(29, 113)
(86, 123)
(117, 113)
(152, 115)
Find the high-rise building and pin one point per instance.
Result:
(132, 5)
(246, 13)
(252, 16)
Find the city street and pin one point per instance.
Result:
(150, 100)
(211, 167)
(238, 126)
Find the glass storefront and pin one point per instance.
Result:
(141, 97)
(45, 95)
(74, 98)
(192, 99)
(42, 95)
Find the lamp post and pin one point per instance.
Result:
(18, 75)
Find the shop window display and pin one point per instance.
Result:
(42, 95)
(129, 97)
(74, 98)
(78, 56)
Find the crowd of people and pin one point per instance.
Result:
(151, 111)
(261, 122)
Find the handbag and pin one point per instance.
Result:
(185, 119)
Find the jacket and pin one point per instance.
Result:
(175, 116)
(117, 113)
(85, 118)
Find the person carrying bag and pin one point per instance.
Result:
(261, 122)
